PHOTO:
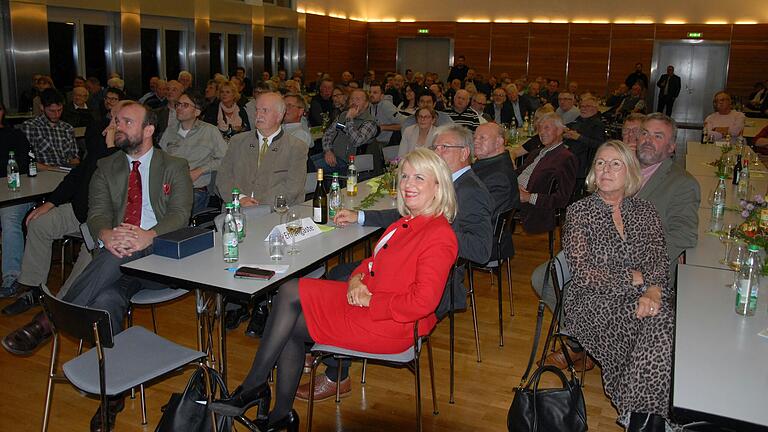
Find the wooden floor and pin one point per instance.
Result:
(385, 403)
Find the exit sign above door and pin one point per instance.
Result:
(695, 35)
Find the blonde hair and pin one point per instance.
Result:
(444, 203)
(232, 87)
(634, 177)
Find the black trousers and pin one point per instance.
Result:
(666, 102)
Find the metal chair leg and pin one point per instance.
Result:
(154, 323)
(64, 243)
(451, 352)
(509, 285)
(338, 380)
(311, 398)
(473, 304)
(365, 369)
(497, 270)
(435, 411)
(143, 405)
(417, 372)
(51, 374)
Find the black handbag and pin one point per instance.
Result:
(188, 411)
(547, 410)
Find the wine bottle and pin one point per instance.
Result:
(320, 201)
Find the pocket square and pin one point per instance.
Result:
(166, 188)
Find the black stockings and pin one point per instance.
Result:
(283, 343)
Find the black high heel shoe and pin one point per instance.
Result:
(242, 400)
(288, 423)
(645, 422)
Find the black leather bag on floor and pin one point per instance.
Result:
(534, 409)
(188, 411)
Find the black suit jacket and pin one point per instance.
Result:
(498, 175)
(472, 226)
(559, 164)
(674, 85)
(592, 134)
(507, 114)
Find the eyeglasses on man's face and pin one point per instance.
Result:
(613, 165)
(441, 147)
(185, 105)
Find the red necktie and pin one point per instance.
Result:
(133, 207)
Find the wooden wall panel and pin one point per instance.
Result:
(548, 51)
(473, 41)
(751, 32)
(630, 44)
(680, 31)
(509, 49)
(748, 65)
(338, 47)
(382, 47)
(358, 35)
(317, 45)
(588, 56)
(436, 29)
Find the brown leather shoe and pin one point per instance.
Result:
(324, 389)
(557, 359)
(26, 340)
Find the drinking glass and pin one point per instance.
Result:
(276, 246)
(294, 228)
(281, 206)
(736, 257)
(727, 238)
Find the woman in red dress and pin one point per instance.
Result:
(376, 309)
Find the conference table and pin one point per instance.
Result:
(752, 126)
(720, 371)
(32, 188)
(212, 280)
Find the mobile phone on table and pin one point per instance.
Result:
(254, 273)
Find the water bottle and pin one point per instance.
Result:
(748, 283)
(718, 200)
(32, 164)
(742, 190)
(238, 215)
(351, 177)
(526, 124)
(229, 236)
(14, 179)
(334, 198)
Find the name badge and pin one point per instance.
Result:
(308, 229)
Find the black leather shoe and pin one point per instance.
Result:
(24, 302)
(644, 422)
(258, 321)
(24, 341)
(242, 400)
(233, 318)
(288, 423)
(114, 406)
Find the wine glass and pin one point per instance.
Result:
(736, 257)
(727, 238)
(281, 206)
(294, 228)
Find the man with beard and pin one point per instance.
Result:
(125, 219)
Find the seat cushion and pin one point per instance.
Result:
(138, 356)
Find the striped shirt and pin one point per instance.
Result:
(468, 118)
(525, 176)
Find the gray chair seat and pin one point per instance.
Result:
(128, 364)
(150, 296)
(402, 357)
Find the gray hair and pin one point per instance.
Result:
(553, 117)
(669, 121)
(465, 136)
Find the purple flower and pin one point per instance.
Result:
(742, 203)
(750, 206)
(759, 199)
(745, 214)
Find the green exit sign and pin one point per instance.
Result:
(423, 31)
(695, 35)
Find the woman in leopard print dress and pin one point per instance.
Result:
(619, 303)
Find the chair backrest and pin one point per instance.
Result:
(390, 152)
(364, 162)
(503, 223)
(90, 243)
(310, 183)
(77, 321)
(561, 273)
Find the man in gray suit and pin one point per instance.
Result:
(472, 226)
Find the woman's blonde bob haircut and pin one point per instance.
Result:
(426, 161)
(634, 176)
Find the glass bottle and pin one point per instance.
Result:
(718, 200)
(320, 201)
(32, 164)
(229, 236)
(748, 283)
(351, 177)
(238, 215)
(334, 198)
(14, 179)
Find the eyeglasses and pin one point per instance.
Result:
(425, 117)
(614, 165)
(442, 147)
(632, 131)
(185, 105)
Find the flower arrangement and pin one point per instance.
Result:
(720, 164)
(386, 184)
(754, 229)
